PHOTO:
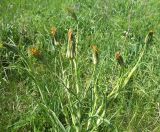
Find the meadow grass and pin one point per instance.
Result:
(42, 89)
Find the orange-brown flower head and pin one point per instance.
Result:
(149, 37)
(53, 31)
(119, 59)
(71, 49)
(95, 56)
(35, 52)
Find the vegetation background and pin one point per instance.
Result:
(42, 90)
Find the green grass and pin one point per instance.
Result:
(54, 93)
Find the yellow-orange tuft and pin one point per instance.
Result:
(35, 52)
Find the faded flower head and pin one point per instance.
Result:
(71, 45)
(95, 56)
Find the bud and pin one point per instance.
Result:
(149, 37)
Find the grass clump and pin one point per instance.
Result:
(79, 66)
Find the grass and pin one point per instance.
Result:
(43, 90)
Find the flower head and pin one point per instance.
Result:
(95, 55)
(35, 52)
(53, 31)
(119, 59)
(71, 45)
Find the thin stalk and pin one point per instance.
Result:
(122, 83)
(76, 76)
(94, 97)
